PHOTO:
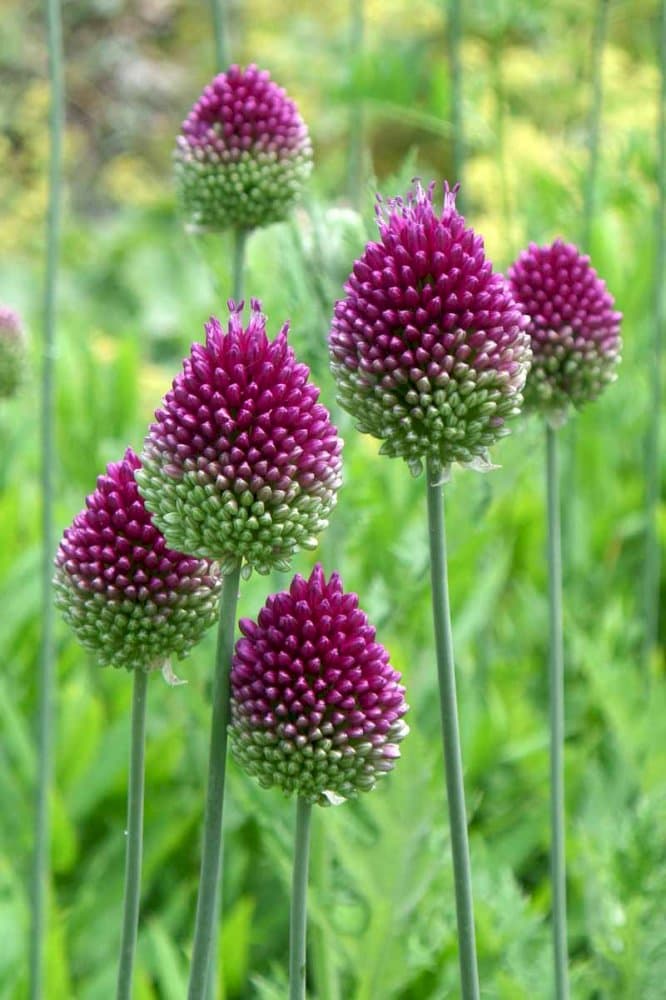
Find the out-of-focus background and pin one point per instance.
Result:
(134, 291)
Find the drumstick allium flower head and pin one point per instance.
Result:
(316, 707)
(127, 596)
(573, 327)
(12, 352)
(243, 155)
(428, 347)
(242, 462)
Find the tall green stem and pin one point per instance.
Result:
(134, 837)
(41, 859)
(355, 150)
(652, 552)
(556, 679)
(217, 764)
(221, 33)
(589, 211)
(454, 35)
(238, 263)
(299, 890)
(455, 788)
(594, 121)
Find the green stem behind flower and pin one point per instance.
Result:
(299, 889)
(454, 32)
(209, 882)
(556, 679)
(652, 552)
(356, 124)
(218, 9)
(134, 835)
(41, 858)
(451, 738)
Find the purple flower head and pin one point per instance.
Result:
(574, 328)
(12, 352)
(428, 347)
(243, 155)
(316, 707)
(128, 597)
(242, 462)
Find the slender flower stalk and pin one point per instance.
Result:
(299, 889)
(41, 856)
(455, 788)
(454, 38)
(218, 10)
(134, 835)
(588, 217)
(209, 886)
(355, 148)
(652, 550)
(556, 701)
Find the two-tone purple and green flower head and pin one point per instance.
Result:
(12, 352)
(242, 463)
(243, 155)
(127, 596)
(317, 709)
(573, 326)
(428, 347)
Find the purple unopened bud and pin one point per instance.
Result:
(243, 155)
(574, 328)
(242, 462)
(12, 352)
(128, 597)
(316, 707)
(428, 347)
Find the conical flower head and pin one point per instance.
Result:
(129, 598)
(316, 707)
(242, 462)
(428, 347)
(243, 155)
(12, 352)
(573, 327)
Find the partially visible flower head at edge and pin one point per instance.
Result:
(317, 710)
(12, 352)
(428, 347)
(573, 327)
(242, 463)
(244, 153)
(128, 598)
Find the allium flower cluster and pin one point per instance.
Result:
(316, 707)
(574, 328)
(242, 462)
(243, 155)
(12, 352)
(428, 347)
(129, 598)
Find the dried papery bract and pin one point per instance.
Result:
(12, 352)
(574, 328)
(243, 155)
(317, 711)
(242, 462)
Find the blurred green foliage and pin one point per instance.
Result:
(134, 292)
